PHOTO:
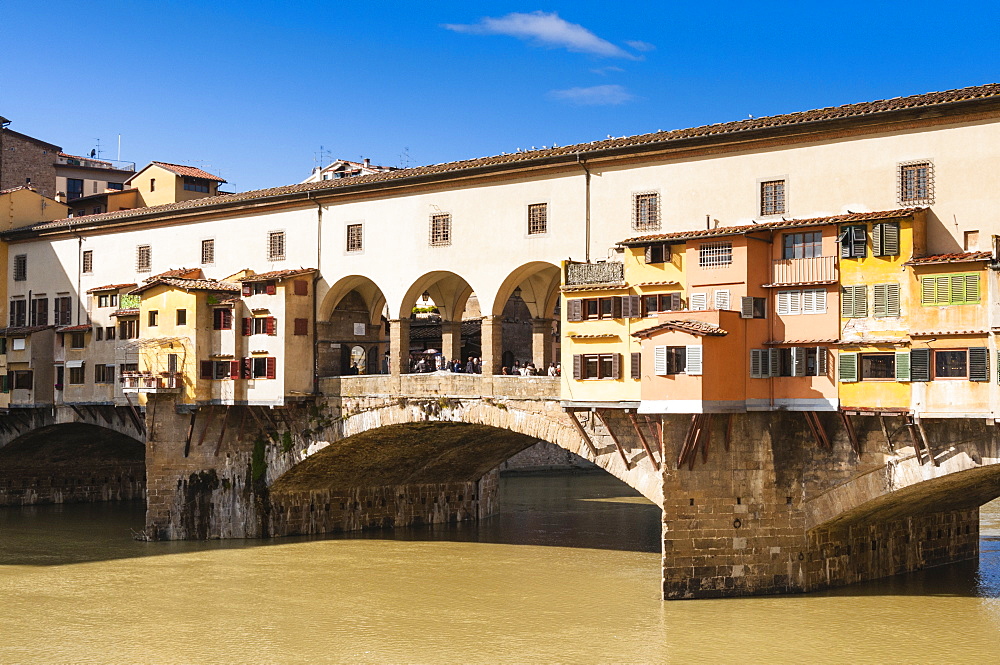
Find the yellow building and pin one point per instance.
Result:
(159, 183)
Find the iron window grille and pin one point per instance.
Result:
(646, 211)
(208, 251)
(143, 258)
(20, 267)
(772, 197)
(538, 218)
(276, 246)
(88, 260)
(915, 183)
(715, 254)
(355, 238)
(440, 231)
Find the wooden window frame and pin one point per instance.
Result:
(934, 365)
(861, 366)
(608, 366)
(802, 245)
(20, 267)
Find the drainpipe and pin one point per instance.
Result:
(582, 162)
(315, 281)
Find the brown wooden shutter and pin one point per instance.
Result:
(270, 288)
(675, 302)
(247, 372)
(616, 365)
(206, 369)
(574, 310)
(234, 369)
(247, 326)
(635, 371)
(247, 289)
(272, 368)
(301, 326)
(616, 307)
(578, 366)
(301, 287)
(649, 254)
(271, 326)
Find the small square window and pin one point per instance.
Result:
(143, 258)
(916, 183)
(646, 211)
(355, 237)
(772, 197)
(208, 251)
(276, 246)
(182, 317)
(77, 340)
(538, 218)
(440, 231)
(154, 318)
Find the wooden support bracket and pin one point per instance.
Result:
(817, 429)
(611, 433)
(583, 433)
(190, 433)
(851, 434)
(222, 433)
(642, 439)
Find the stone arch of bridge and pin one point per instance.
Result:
(908, 488)
(422, 439)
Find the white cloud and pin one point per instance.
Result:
(603, 71)
(544, 29)
(598, 95)
(641, 46)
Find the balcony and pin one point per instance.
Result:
(594, 273)
(815, 270)
(146, 382)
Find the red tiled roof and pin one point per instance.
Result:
(14, 189)
(132, 311)
(594, 336)
(79, 328)
(185, 273)
(644, 142)
(947, 333)
(800, 342)
(681, 325)
(89, 159)
(276, 275)
(846, 218)
(594, 287)
(873, 342)
(957, 257)
(190, 171)
(189, 285)
(111, 287)
(22, 330)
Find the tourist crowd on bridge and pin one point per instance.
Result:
(420, 364)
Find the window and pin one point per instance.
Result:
(885, 299)
(118, 186)
(646, 211)
(63, 310)
(301, 327)
(154, 318)
(22, 379)
(196, 185)
(276, 246)
(951, 364)
(222, 319)
(802, 245)
(18, 312)
(107, 300)
(698, 301)
(300, 287)
(772, 197)
(801, 301)
(597, 366)
(959, 289)
(258, 288)
(109, 333)
(916, 182)
(182, 317)
(612, 307)
(74, 188)
(20, 267)
(18, 343)
(795, 361)
(88, 260)
(355, 237)
(208, 251)
(854, 301)
(77, 340)
(885, 239)
(152, 184)
(663, 302)
(715, 254)
(97, 210)
(853, 241)
(538, 219)
(39, 311)
(635, 370)
(753, 308)
(658, 253)
(971, 241)
(669, 360)
(104, 373)
(143, 258)
(128, 329)
(76, 376)
(260, 325)
(262, 368)
(877, 366)
(440, 230)
(98, 334)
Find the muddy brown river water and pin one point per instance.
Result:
(569, 572)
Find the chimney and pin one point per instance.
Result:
(368, 163)
(60, 197)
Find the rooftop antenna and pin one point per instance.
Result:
(404, 158)
(97, 150)
(119, 148)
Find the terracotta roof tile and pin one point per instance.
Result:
(874, 342)
(190, 171)
(800, 342)
(190, 285)
(276, 275)
(111, 287)
(23, 330)
(957, 257)
(845, 218)
(947, 333)
(132, 311)
(513, 160)
(594, 336)
(668, 282)
(79, 328)
(617, 286)
(682, 325)
(186, 273)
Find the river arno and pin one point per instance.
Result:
(568, 573)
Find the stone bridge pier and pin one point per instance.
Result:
(752, 503)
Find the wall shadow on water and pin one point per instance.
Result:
(581, 509)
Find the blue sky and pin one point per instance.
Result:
(251, 90)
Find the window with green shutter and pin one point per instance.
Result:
(848, 370)
(885, 299)
(885, 239)
(902, 365)
(957, 289)
(854, 301)
(853, 239)
(920, 365)
(979, 364)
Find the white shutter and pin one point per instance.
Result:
(699, 301)
(693, 360)
(808, 301)
(819, 296)
(660, 360)
(782, 306)
(722, 299)
(798, 361)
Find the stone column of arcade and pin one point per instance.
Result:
(451, 340)
(541, 343)
(399, 346)
(492, 343)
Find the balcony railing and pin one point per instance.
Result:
(146, 382)
(815, 270)
(594, 273)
